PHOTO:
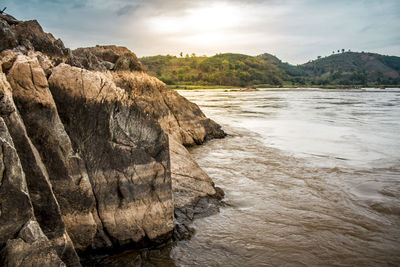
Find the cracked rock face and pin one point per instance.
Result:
(125, 151)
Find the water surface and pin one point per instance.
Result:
(312, 177)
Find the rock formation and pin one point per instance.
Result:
(92, 151)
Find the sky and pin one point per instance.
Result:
(295, 31)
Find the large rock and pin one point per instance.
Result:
(44, 203)
(125, 151)
(67, 172)
(86, 151)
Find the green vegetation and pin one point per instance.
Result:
(344, 69)
(221, 69)
(349, 68)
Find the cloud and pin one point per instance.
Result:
(294, 30)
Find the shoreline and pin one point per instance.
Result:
(213, 87)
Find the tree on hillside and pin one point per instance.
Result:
(181, 54)
(342, 50)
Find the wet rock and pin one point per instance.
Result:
(190, 182)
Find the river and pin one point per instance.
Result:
(311, 177)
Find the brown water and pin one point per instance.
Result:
(312, 177)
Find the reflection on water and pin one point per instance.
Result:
(312, 177)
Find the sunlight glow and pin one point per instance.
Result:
(213, 18)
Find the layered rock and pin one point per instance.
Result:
(125, 151)
(27, 198)
(66, 170)
(93, 151)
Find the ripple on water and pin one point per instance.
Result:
(284, 212)
(286, 208)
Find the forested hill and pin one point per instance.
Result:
(350, 68)
(221, 69)
(347, 68)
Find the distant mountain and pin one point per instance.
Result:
(348, 68)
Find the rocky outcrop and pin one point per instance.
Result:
(92, 152)
(29, 35)
(103, 58)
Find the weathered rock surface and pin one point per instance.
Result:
(180, 118)
(22, 241)
(30, 36)
(92, 152)
(185, 123)
(103, 58)
(126, 154)
(67, 172)
(45, 206)
(30, 248)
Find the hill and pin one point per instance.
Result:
(221, 69)
(348, 68)
(351, 68)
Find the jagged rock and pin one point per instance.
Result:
(103, 58)
(31, 247)
(67, 172)
(8, 39)
(15, 209)
(125, 151)
(44, 203)
(30, 35)
(194, 191)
